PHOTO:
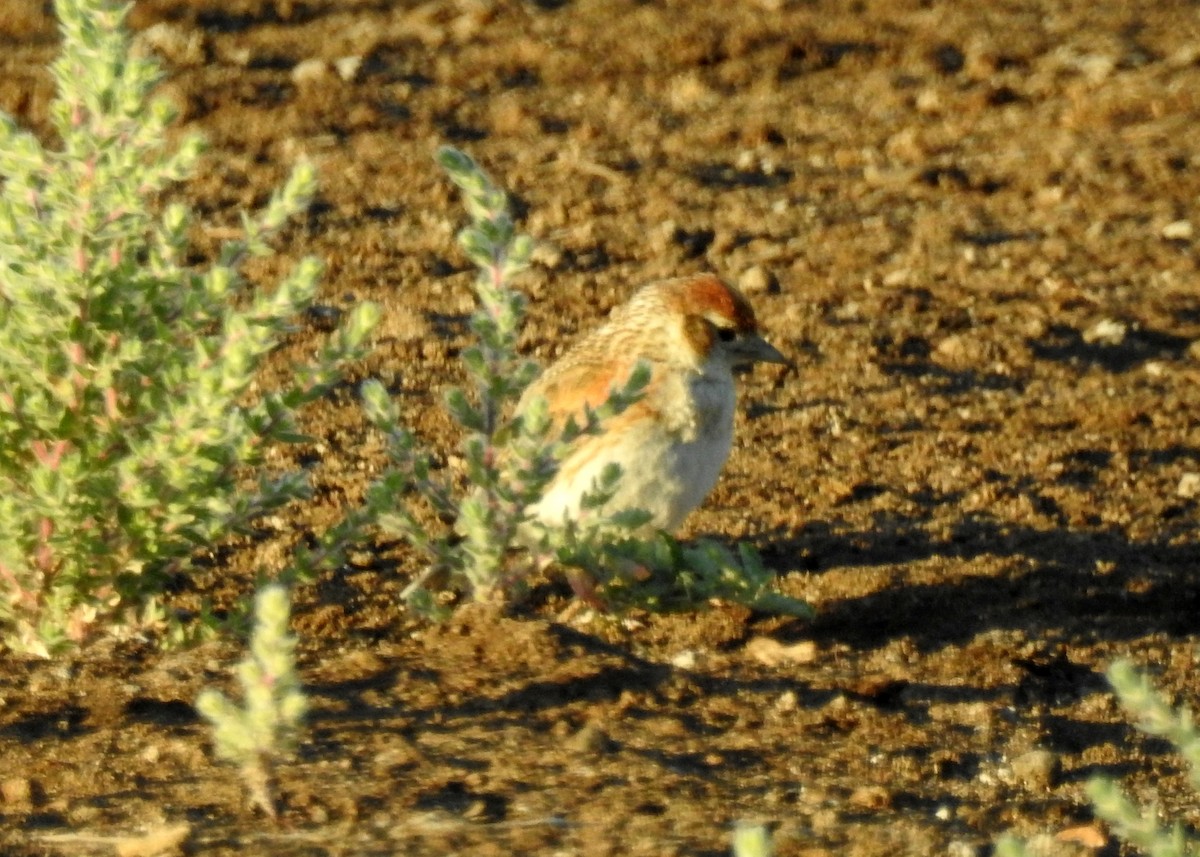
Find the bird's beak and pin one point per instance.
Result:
(755, 349)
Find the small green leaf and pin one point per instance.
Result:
(463, 412)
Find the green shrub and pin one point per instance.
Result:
(508, 463)
(265, 729)
(127, 423)
(1140, 827)
(752, 840)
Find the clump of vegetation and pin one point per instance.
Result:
(508, 462)
(482, 542)
(1136, 826)
(127, 424)
(752, 840)
(265, 728)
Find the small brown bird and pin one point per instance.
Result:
(694, 332)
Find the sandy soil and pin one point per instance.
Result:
(972, 224)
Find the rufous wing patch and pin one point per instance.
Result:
(585, 385)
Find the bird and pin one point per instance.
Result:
(694, 333)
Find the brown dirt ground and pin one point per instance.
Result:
(985, 494)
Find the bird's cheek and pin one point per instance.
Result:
(699, 334)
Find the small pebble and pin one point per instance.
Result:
(1179, 230)
(786, 702)
(547, 254)
(1037, 770)
(17, 790)
(589, 739)
(347, 67)
(757, 280)
(871, 797)
(1107, 331)
(685, 660)
(309, 71)
(176, 44)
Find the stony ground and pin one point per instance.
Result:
(971, 224)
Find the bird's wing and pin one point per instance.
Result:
(570, 388)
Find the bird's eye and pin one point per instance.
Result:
(726, 334)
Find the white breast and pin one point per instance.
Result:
(668, 467)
